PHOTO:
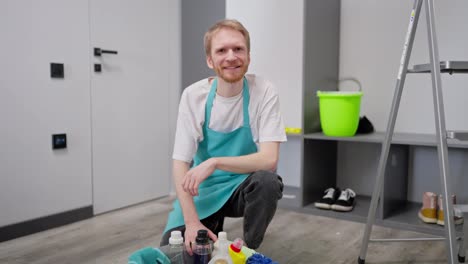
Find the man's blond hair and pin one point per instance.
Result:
(225, 23)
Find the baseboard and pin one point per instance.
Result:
(47, 222)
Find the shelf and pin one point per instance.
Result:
(358, 214)
(294, 135)
(445, 67)
(398, 138)
(406, 217)
(460, 135)
(376, 137)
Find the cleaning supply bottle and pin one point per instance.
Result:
(221, 250)
(202, 250)
(222, 239)
(235, 252)
(247, 251)
(176, 248)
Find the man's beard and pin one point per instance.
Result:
(232, 78)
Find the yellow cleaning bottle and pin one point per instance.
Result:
(235, 252)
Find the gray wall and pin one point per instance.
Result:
(371, 44)
(321, 61)
(197, 17)
(372, 36)
(175, 73)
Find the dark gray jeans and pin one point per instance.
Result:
(255, 199)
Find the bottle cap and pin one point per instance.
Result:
(176, 238)
(236, 246)
(202, 237)
(222, 235)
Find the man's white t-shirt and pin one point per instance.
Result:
(227, 115)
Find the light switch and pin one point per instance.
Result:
(56, 70)
(59, 141)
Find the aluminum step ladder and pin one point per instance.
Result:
(435, 68)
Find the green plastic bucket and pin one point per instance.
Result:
(339, 112)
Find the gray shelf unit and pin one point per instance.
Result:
(321, 29)
(353, 161)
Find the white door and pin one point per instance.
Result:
(130, 102)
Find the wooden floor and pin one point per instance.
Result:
(291, 238)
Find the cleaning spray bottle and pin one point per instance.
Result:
(235, 252)
(221, 250)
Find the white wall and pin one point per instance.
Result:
(372, 37)
(276, 33)
(35, 180)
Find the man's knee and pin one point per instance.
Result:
(269, 182)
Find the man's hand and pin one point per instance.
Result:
(191, 233)
(197, 175)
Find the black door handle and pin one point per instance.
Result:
(98, 52)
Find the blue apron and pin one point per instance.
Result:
(215, 190)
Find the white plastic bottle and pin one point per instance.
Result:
(221, 250)
(176, 248)
(222, 238)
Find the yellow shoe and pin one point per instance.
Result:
(428, 211)
(457, 214)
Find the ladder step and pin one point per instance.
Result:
(460, 135)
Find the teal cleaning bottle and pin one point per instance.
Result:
(202, 250)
